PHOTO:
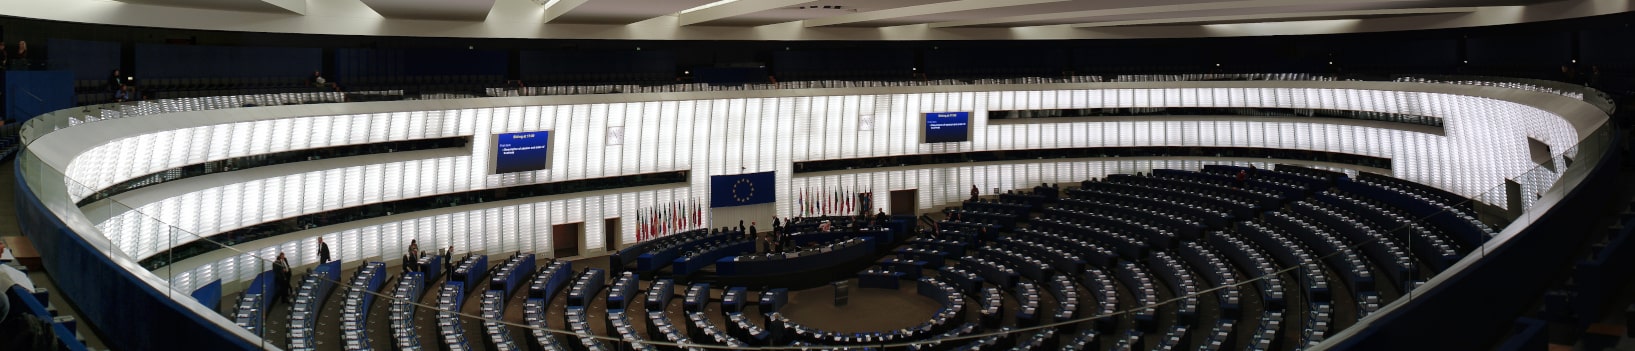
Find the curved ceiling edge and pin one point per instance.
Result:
(514, 19)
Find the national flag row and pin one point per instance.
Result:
(840, 202)
(665, 219)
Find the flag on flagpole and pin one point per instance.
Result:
(851, 201)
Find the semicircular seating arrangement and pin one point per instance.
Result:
(1276, 259)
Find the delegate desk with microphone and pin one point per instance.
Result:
(252, 306)
(654, 254)
(512, 274)
(450, 331)
(431, 266)
(404, 296)
(696, 297)
(313, 291)
(533, 314)
(493, 313)
(359, 296)
(549, 280)
(469, 272)
(586, 287)
(541, 290)
(806, 260)
(697, 259)
(622, 290)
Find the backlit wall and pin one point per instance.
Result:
(1484, 142)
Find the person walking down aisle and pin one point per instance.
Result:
(281, 276)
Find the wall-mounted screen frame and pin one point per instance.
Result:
(522, 152)
(946, 127)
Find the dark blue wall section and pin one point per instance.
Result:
(209, 295)
(33, 93)
(1607, 47)
(356, 62)
(122, 307)
(1094, 59)
(1549, 49)
(729, 75)
(190, 61)
(1434, 53)
(884, 60)
(433, 62)
(89, 60)
(538, 63)
(995, 60)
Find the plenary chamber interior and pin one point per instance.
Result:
(1260, 213)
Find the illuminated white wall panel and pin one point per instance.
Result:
(1484, 143)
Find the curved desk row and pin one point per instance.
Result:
(850, 250)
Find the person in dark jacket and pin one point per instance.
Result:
(323, 251)
(281, 277)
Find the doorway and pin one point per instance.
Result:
(610, 234)
(905, 202)
(565, 239)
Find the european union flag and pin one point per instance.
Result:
(742, 189)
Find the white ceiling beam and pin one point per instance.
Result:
(557, 8)
(1274, 17)
(732, 9)
(296, 6)
(919, 10)
(1224, 5)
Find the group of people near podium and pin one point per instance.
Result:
(779, 240)
(281, 269)
(412, 258)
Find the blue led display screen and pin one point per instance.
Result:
(522, 152)
(947, 127)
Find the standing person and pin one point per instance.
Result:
(974, 192)
(1239, 180)
(281, 277)
(448, 260)
(752, 230)
(414, 249)
(323, 251)
(116, 83)
(21, 60)
(120, 87)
